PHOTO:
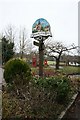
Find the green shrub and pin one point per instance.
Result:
(58, 85)
(17, 72)
(63, 90)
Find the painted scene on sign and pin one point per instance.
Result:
(41, 25)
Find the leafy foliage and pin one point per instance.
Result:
(58, 85)
(63, 91)
(7, 50)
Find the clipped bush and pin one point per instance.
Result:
(17, 72)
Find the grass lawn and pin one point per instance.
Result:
(53, 63)
(71, 70)
(51, 71)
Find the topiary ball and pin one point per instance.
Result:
(17, 71)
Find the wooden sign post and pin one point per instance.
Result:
(40, 32)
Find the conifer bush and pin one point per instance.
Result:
(17, 71)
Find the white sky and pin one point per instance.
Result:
(62, 16)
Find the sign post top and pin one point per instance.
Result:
(41, 28)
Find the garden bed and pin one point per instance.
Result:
(38, 100)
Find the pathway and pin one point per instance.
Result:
(74, 112)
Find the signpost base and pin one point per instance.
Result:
(41, 53)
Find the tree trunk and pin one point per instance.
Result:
(57, 64)
(22, 55)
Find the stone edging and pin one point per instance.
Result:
(64, 112)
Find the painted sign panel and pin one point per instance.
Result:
(41, 28)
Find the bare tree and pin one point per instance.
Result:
(25, 43)
(10, 33)
(56, 49)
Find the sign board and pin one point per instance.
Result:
(35, 43)
(41, 28)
